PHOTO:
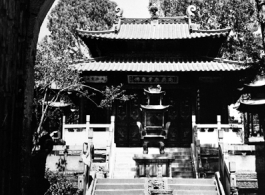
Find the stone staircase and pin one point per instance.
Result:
(139, 186)
(190, 186)
(182, 182)
(125, 165)
(120, 187)
(182, 166)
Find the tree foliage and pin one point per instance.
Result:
(55, 76)
(243, 44)
(69, 15)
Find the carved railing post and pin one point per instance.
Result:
(89, 130)
(221, 138)
(220, 131)
(198, 154)
(233, 188)
(87, 158)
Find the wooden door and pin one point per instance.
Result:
(126, 130)
(179, 114)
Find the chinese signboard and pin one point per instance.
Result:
(210, 79)
(152, 79)
(95, 79)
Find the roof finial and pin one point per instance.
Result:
(119, 12)
(153, 9)
(117, 21)
(189, 12)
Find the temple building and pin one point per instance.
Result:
(170, 52)
(252, 105)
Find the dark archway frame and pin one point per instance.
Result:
(20, 26)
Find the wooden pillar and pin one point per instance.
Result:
(262, 124)
(137, 173)
(251, 125)
(169, 169)
(82, 110)
(63, 130)
(147, 170)
(198, 105)
(246, 130)
(159, 170)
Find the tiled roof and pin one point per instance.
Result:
(252, 106)
(156, 65)
(258, 82)
(163, 29)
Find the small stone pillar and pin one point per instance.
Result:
(232, 169)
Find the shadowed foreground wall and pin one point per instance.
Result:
(20, 22)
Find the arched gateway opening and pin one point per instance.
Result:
(20, 26)
(21, 21)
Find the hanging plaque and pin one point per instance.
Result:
(152, 79)
(95, 79)
(210, 79)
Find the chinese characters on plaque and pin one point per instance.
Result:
(152, 79)
(95, 79)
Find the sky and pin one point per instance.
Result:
(131, 9)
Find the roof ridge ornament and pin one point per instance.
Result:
(119, 12)
(189, 12)
(117, 21)
(153, 10)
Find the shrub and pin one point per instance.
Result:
(60, 184)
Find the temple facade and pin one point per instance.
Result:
(170, 52)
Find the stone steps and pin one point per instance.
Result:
(182, 182)
(120, 187)
(182, 175)
(120, 192)
(139, 186)
(125, 165)
(194, 192)
(192, 186)
(181, 167)
(181, 164)
(123, 186)
(192, 181)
